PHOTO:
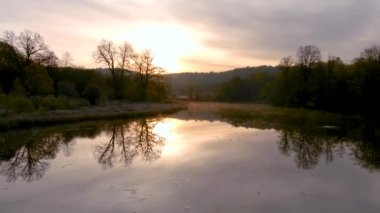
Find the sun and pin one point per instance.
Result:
(167, 42)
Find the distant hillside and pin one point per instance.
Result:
(203, 85)
(206, 83)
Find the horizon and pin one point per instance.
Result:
(201, 36)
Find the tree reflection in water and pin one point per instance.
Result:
(30, 161)
(129, 140)
(367, 150)
(309, 144)
(309, 147)
(309, 141)
(26, 154)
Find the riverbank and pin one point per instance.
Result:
(111, 111)
(269, 116)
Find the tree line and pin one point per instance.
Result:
(309, 82)
(32, 77)
(31, 74)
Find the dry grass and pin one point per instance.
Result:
(111, 111)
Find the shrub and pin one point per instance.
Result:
(18, 88)
(53, 103)
(15, 104)
(38, 81)
(48, 103)
(21, 104)
(67, 89)
(93, 93)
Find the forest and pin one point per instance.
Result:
(305, 81)
(33, 78)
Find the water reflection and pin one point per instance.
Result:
(27, 154)
(309, 147)
(309, 142)
(30, 161)
(367, 150)
(128, 141)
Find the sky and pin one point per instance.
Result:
(199, 35)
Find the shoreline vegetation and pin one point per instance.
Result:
(99, 112)
(308, 121)
(238, 114)
(244, 113)
(37, 88)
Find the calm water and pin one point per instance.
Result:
(191, 161)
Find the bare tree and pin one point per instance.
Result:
(308, 56)
(9, 38)
(31, 43)
(106, 54)
(31, 46)
(66, 60)
(126, 53)
(116, 58)
(146, 71)
(286, 63)
(47, 58)
(372, 53)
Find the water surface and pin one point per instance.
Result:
(191, 161)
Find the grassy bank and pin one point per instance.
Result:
(268, 116)
(110, 111)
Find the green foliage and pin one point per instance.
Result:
(234, 90)
(205, 86)
(11, 104)
(53, 103)
(49, 103)
(131, 90)
(18, 88)
(158, 91)
(33, 73)
(332, 85)
(37, 80)
(79, 77)
(119, 90)
(67, 89)
(253, 88)
(93, 93)
(10, 66)
(368, 80)
(310, 83)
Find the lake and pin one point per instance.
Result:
(205, 159)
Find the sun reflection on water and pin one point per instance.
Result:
(167, 129)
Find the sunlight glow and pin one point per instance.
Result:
(168, 43)
(166, 129)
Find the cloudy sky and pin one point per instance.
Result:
(199, 35)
